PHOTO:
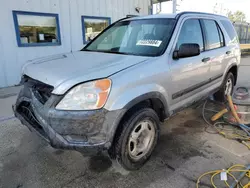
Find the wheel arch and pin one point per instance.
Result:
(154, 100)
(234, 70)
(233, 67)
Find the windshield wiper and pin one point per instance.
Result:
(85, 49)
(124, 53)
(111, 52)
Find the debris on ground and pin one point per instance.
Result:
(227, 120)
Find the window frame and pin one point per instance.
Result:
(205, 34)
(15, 14)
(92, 17)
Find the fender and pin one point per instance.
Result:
(146, 96)
(229, 67)
(129, 98)
(133, 102)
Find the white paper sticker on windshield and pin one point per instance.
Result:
(155, 43)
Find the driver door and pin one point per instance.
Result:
(188, 74)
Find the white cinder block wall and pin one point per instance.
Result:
(12, 57)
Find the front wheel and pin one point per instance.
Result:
(226, 89)
(137, 139)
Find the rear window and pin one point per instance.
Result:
(230, 30)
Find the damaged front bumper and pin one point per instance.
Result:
(90, 132)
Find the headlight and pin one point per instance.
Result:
(88, 96)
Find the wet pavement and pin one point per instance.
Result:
(183, 153)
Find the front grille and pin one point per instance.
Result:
(41, 90)
(27, 112)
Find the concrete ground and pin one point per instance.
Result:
(183, 153)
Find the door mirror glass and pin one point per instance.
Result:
(187, 50)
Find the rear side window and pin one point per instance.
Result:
(222, 40)
(191, 33)
(230, 30)
(214, 36)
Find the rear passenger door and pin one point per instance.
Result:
(215, 49)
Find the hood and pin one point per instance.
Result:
(66, 70)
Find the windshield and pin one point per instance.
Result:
(136, 37)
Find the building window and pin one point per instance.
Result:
(92, 26)
(36, 29)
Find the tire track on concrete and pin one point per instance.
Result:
(3, 119)
(8, 95)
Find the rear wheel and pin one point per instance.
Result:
(227, 88)
(137, 139)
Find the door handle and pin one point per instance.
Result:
(206, 59)
(228, 52)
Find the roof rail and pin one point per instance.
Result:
(131, 16)
(202, 13)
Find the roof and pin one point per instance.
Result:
(153, 16)
(173, 15)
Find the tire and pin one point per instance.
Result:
(140, 130)
(221, 94)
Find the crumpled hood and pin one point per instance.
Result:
(66, 70)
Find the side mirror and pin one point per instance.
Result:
(187, 50)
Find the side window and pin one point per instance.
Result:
(222, 40)
(191, 33)
(230, 30)
(212, 34)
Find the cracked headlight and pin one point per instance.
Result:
(87, 96)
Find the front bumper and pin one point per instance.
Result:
(90, 132)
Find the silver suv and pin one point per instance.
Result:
(111, 96)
